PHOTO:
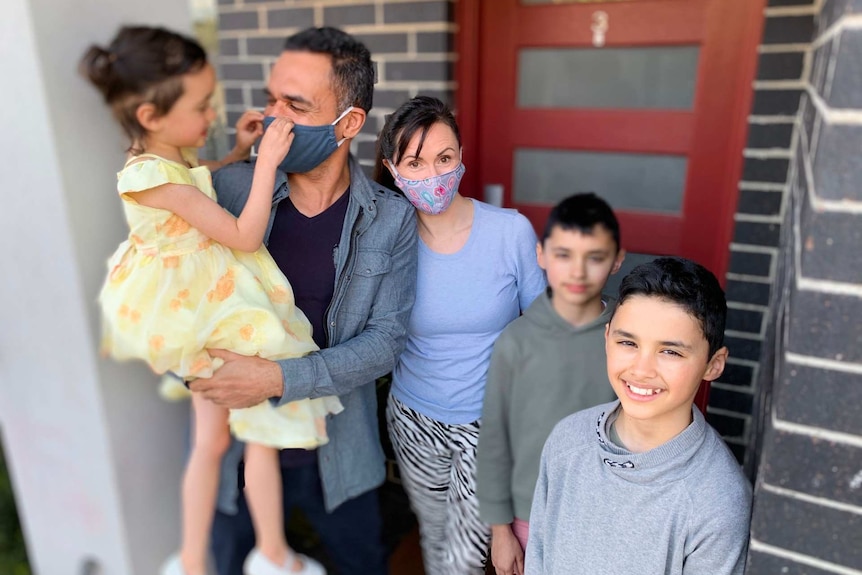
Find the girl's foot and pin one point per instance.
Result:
(257, 564)
(174, 566)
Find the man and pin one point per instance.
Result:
(348, 248)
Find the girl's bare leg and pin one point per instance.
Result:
(210, 441)
(263, 494)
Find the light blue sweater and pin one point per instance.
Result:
(463, 302)
(682, 508)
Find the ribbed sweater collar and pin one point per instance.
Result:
(666, 463)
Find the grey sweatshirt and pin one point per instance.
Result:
(681, 508)
(542, 369)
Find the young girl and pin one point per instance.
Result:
(191, 277)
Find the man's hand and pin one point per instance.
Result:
(506, 553)
(249, 127)
(242, 381)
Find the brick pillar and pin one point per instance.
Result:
(783, 62)
(808, 504)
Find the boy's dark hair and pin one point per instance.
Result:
(141, 65)
(583, 212)
(352, 68)
(686, 284)
(416, 115)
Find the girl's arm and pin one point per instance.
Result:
(249, 128)
(244, 233)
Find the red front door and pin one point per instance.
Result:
(643, 102)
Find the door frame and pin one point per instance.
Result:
(748, 36)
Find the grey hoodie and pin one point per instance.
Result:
(542, 369)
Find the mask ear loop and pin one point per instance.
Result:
(338, 119)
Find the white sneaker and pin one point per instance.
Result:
(172, 566)
(257, 564)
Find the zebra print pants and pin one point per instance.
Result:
(438, 468)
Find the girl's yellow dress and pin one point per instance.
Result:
(172, 293)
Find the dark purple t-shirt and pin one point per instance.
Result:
(304, 249)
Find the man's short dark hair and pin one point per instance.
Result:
(686, 284)
(352, 68)
(583, 212)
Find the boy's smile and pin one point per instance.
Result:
(578, 266)
(657, 356)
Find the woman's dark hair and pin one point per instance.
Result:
(686, 284)
(416, 115)
(141, 65)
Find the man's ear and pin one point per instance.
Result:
(715, 367)
(147, 117)
(618, 262)
(352, 123)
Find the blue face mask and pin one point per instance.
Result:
(311, 145)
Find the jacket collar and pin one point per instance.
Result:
(361, 188)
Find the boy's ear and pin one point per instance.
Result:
(715, 367)
(618, 262)
(540, 255)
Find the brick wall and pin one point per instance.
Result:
(411, 43)
(783, 62)
(808, 498)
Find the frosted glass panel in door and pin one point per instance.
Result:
(622, 78)
(639, 182)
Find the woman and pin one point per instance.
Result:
(477, 271)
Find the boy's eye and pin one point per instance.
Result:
(626, 343)
(672, 352)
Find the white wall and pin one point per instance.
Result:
(95, 457)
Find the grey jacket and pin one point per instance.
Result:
(366, 328)
(542, 370)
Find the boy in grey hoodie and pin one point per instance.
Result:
(644, 484)
(547, 364)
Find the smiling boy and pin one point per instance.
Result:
(644, 484)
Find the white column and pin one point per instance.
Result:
(95, 456)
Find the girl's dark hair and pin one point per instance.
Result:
(415, 115)
(141, 65)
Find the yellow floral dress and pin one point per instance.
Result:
(172, 293)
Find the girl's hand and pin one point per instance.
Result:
(275, 143)
(249, 128)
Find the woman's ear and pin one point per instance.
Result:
(147, 117)
(389, 167)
